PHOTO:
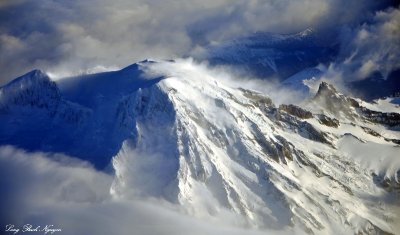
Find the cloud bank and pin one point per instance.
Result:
(72, 37)
(46, 189)
(374, 46)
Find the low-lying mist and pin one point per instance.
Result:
(51, 189)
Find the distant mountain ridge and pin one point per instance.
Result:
(275, 55)
(285, 57)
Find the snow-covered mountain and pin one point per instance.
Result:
(76, 116)
(179, 131)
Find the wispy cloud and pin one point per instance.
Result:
(374, 46)
(367, 50)
(46, 189)
(74, 36)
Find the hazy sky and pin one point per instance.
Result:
(69, 37)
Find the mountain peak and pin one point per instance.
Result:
(34, 88)
(306, 32)
(324, 87)
(37, 73)
(32, 77)
(329, 99)
(326, 90)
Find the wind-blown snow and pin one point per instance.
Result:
(238, 152)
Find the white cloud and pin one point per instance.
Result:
(47, 189)
(78, 35)
(374, 46)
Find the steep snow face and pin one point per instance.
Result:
(34, 89)
(213, 146)
(84, 116)
(33, 113)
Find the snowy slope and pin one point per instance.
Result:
(34, 114)
(81, 116)
(221, 147)
(182, 133)
(389, 104)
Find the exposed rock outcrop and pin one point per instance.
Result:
(327, 121)
(390, 119)
(296, 111)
